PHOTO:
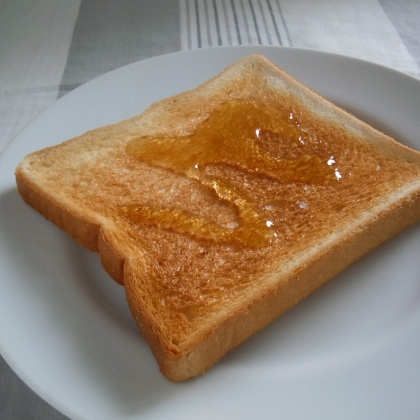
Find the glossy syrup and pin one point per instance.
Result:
(249, 137)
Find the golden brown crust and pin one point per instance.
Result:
(111, 258)
(82, 231)
(162, 271)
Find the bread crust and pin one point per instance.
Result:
(300, 282)
(279, 287)
(84, 231)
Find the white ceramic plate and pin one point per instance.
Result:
(349, 351)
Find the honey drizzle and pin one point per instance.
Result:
(248, 137)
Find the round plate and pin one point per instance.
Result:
(350, 350)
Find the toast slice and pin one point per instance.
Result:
(220, 208)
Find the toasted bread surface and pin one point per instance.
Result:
(168, 233)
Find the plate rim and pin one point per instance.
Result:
(45, 394)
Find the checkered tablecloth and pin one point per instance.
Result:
(49, 47)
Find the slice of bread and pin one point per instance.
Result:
(220, 208)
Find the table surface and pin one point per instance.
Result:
(49, 47)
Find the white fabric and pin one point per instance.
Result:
(358, 28)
